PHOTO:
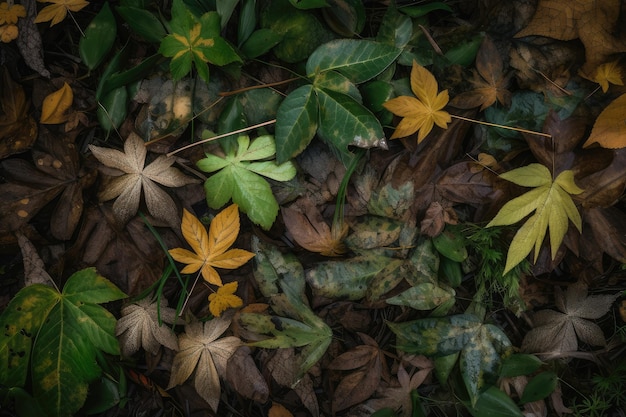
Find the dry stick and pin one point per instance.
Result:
(517, 129)
(254, 87)
(182, 309)
(245, 129)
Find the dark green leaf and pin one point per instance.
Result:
(396, 28)
(247, 20)
(451, 245)
(495, 403)
(539, 387)
(309, 4)
(296, 123)
(99, 38)
(111, 110)
(419, 11)
(519, 364)
(260, 42)
(334, 81)
(142, 22)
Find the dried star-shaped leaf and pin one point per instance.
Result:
(558, 331)
(139, 327)
(202, 351)
(210, 250)
(57, 11)
(224, 298)
(127, 187)
(421, 113)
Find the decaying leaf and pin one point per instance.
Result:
(609, 130)
(203, 353)
(308, 228)
(253, 386)
(29, 40)
(490, 83)
(553, 208)
(55, 106)
(140, 327)
(134, 176)
(557, 332)
(421, 113)
(211, 250)
(34, 268)
(18, 130)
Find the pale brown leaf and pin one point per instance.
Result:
(253, 386)
(34, 268)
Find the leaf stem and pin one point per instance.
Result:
(517, 129)
(245, 129)
(254, 87)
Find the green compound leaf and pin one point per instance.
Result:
(359, 60)
(70, 329)
(241, 179)
(553, 207)
(296, 123)
(480, 345)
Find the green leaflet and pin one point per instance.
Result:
(480, 345)
(70, 327)
(553, 207)
(240, 178)
(297, 325)
(99, 38)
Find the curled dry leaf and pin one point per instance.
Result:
(205, 354)
(139, 327)
(127, 186)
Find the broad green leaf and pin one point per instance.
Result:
(519, 364)
(247, 20)
(143, 22)
(396, 29)
(539, 387)
(112, 108)
(260, 42)
(451, 244)
(99, 37)
(425, 296)
(345, 122)
(345, 279)
(241, 180)
(70, 329)
(553, 208)
(359, 60)
(296, 123)
(334, 81)
(495, 403)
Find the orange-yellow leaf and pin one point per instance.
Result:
(57, 11)
(609, 130)
(607, 73)
(210, 250)
(224, 298)
(55, 105)
(423, 113)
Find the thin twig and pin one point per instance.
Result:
(245, 129)
(517, 129)
(254, 87)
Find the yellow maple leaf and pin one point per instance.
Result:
(421, 113)
(57, 11)
(55, 105)
(609, 72)
(224, 298)
(210, 250)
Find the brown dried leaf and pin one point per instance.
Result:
(593, 22)
(34, 268)
(18, 130)
(29, 40)
(253, 386)
(127, 187)
(284, 369)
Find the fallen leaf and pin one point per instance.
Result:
(606, 73)
(58, 10)
(29, 40)
(489, 81)
(127, 186)
(609, 130)
(421, 113)
(593, 22)
(278, 410)
(224, 298)
(253, 386)
(308, 228)
(140, 326)
(55, 106)
(34, 268)
(18, 130)
(205, 354)
(211, 250)
(553, 207)
(557, 332)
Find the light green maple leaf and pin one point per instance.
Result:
(240, 178)
(553, 206)
(196, 41)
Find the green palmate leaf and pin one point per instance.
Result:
(553, 206)
(480, 345)
(343, 122)
(70, 329)
(240, 179)
(296, 123)
(99, 38)
(359, 60)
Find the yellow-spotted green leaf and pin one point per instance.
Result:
(335, 81)
(424, 296)
(553, 208)
(480, 346)
(357, 59)
(370, 232)
(240, 178)
(99, 38)
(58, 335)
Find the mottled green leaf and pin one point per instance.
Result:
(334, 81)
(369, 232)
(390, 201)
(425, 262)
(425, 296)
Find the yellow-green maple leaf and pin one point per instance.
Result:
(553, 206)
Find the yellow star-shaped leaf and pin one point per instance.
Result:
(421, 113)
(608, 73)
(224, 298)
(210, 250)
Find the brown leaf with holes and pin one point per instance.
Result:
(489, 81)
(309, 229)
(18, 130)
(592, 21)
(557, 332)
(56, 172)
